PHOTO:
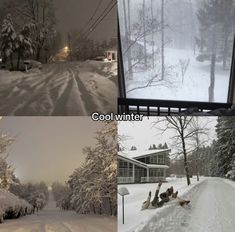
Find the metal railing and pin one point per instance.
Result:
(163, 107)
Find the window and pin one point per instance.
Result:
(157, 159)
(122, 164)
(156, 172)
(160, 159)
(177, 50)
(125, 169)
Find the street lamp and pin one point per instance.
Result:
(123, 192)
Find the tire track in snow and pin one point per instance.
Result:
(22, 96)
(70, 102)
(86, 98)
(40, 96)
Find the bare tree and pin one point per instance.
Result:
(182, 125)
(198, 130)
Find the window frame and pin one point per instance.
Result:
(166, 107)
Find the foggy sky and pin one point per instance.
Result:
(74, 14)
(142, 134)
(48, 148)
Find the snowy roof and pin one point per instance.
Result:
(142, 153)
(114, 48)
(141, 164)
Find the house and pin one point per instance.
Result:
(142, 166)
(111, 54)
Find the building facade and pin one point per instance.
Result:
(142, 166)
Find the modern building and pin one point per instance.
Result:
(142, 166)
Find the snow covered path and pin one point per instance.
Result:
(211, 209)
(72, 88)
(52, 219)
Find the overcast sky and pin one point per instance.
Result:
(74, 14)
(48, 148)
(142, 134)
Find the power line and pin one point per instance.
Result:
(92, 16)
(106, 11)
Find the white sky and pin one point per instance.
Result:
(142, 134)
(48, 148)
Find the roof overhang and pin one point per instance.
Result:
(141, 164)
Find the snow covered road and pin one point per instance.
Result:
(211, 209)
(60, 89)
(51, 219)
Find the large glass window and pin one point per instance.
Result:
(157, 159)
(178, 49)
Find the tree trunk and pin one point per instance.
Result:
(213, 57)
(127, 41)
(100, 209)
(163, 39)
(197, 155)
(110, 205)
(12, 65)
(212, 78)
(153, 44)
(38, 54)
(145, 42)
(185, 158)
(225, 51)
(18, 60)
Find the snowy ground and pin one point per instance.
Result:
(192, 87)
(52, 219)
(72, 88)
(211, 209)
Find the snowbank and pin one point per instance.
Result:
(230, 182)
(137, 220)
(12, 207)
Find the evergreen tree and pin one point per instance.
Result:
(216, 18)
(8, 38)
(133, 148)
(165, 146)
(24, 43)
(225, 146)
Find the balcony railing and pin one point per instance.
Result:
(125, 180)
(151, 179)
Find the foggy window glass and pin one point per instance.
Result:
(177, 49)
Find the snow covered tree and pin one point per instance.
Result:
(224, 147)
(24, 43)
(8, 38)
(94, 186)
(6, 174)
(6, 171)
(62, 195)
(41, 14)
(5, 142)
(35, 194)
